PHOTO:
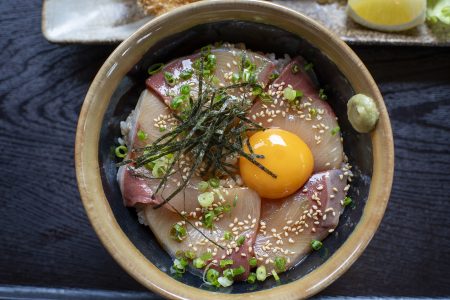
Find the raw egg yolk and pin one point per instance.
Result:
(285, 154)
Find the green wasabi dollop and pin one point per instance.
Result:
(362, 113)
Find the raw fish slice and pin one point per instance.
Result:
(228, 62)
(135, 184)
(244, 215)
(313, 122)
(148, 109)
(138, 186)
(289, 225)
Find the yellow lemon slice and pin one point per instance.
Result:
(387, 15)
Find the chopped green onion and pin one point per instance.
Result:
(238, 271)
(240, 241)
(185, 89)
(295, 69)
(198, 263)
(178, 101)
(155, 68)
(186, 74)
(235, 78)
(235, 200)
(215, 80)
(211, 60)
(178, 232)
(316, 245)
(208, 219)
(142, 135)
(222, 209)
(205, 50)
(261, 274)
(249, 65)
(274, 76)
(313, 112)
(289, 94)
(246, 75)
(225, 262)
(446, 11)
(162, 129)
(322, 94)
(275, 276)
(224, 281)
(159, 166)
(206, 199)
(252, 262)
(228, 273)
(280, 263)
(203, 186)
(308, 66)
(170, 78)
(121, 151)
(206, 256)
(347, 201)
(265, 98)
(257, 90)
(212, 276)
(189, 254)
(227, 235)
(251, 278)
(179, 265)
(335, 130)
(214, 182)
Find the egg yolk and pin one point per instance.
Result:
(285, 154)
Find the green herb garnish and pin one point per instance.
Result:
(347, 201)
(316, 245)
(206, 199)
(142, 135)
(212, 276)
(121, 151)
(335, 130)
(275, 276)
(308, 66)
(186, 74)
(240, 241)
(322, 94)
(170, 78)
(252, 262)
(227, 235)
(155, 68)
(280, 263)
(179, 266)
(261, 273)
(251, 278)
(225, 262)
(178, 232)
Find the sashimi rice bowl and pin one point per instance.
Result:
(251, 155)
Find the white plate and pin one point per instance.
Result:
(103, 21)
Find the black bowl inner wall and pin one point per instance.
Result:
(257, 37)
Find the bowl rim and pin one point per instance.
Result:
(107, 79)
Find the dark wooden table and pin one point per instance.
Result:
(47, 241)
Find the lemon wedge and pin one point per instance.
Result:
(387, 15)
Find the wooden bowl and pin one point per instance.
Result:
(263, 27)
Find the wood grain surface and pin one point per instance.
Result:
(46, 239)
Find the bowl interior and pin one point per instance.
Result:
(257, 37)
